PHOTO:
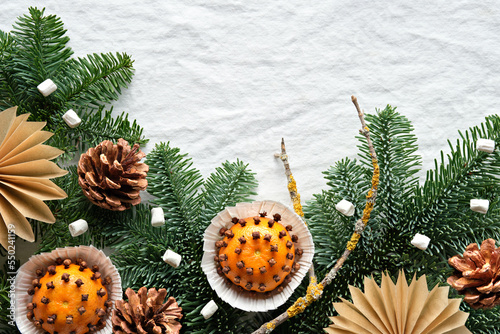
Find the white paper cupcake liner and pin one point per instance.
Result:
(26, 275)
(244, 300)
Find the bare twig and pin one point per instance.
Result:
(294, 194)
(314, 291)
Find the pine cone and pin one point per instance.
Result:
(477, 275)
(144, 313)
(111, 176)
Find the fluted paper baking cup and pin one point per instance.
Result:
(27, 273)
(230, 293)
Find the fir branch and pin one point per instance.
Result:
(8, 86)
(95, 128)
(65, 211)
(77, 206)
(94, 80)
(330, 228)
(230, 184)
(40, 50)
(4, 298)
(444, 198)
(175, 183)
(481, 321)
(395, 143)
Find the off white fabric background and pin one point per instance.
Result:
(224, 79)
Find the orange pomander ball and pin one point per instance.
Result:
(257, 253)
(69, 298)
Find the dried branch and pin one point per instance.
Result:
(314, 290)
(294, 194)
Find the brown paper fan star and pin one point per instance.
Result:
(399, 309)
(25, 171)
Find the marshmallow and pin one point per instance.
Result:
(479, 205)
(485, 145)
(157, 217)
(47, 87)
(78, 227)
(172, 258)
(71, 118)
(345, 207)
(209, 309)
(420, 241)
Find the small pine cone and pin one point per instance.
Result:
(476, 275)
(154, 314)
(111, 175)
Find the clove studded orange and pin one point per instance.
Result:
(258, 253)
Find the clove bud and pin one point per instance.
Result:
(101, 292)
(67, 263)
(229, 234)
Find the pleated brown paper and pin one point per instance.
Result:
(25, 173)
(399, 309)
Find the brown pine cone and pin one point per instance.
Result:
(111, 175)
(477, 275)
(145, 313)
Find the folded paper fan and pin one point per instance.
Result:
(25, 171)
(399, 309)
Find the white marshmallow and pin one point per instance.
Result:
(485, 145)
(71, 118)
(157, 217)
(209, 309)
(420, 241)
(345, 207)
(172, 258)
(479, 205)
(47, 87)
(78, 227)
